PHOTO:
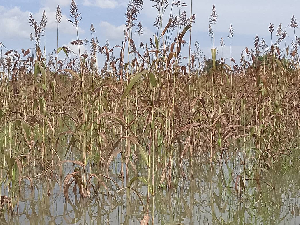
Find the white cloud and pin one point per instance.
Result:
(111, 4)
(248, 17)
(112, 32)
(55, 3)
(14, 23)
(15, 28)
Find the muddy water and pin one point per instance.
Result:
(195, 193)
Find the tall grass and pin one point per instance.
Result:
(149, 108)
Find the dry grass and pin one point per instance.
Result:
(151, 109)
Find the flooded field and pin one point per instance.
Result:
(153, 137)
(228, 192)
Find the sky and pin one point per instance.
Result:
(248, 18)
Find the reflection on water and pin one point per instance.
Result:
(200, 193)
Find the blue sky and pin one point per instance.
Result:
(249, 18)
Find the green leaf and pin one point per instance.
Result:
(133, 82)
(187, 27)
(152, 124)
(213, 54)
(144, 155)
(42, 105)
(131, 181)
(44, 86)
(156, 43)
(35, 103)
(26, 128)
(220, 142)
(142, 179)
(14, 172)
(18, 123)
(64, 49)
(10, 163)
(37, 69)
(104, 102)
(153, 80)
(43, 71)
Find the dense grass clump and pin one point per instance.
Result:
(153, 111)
